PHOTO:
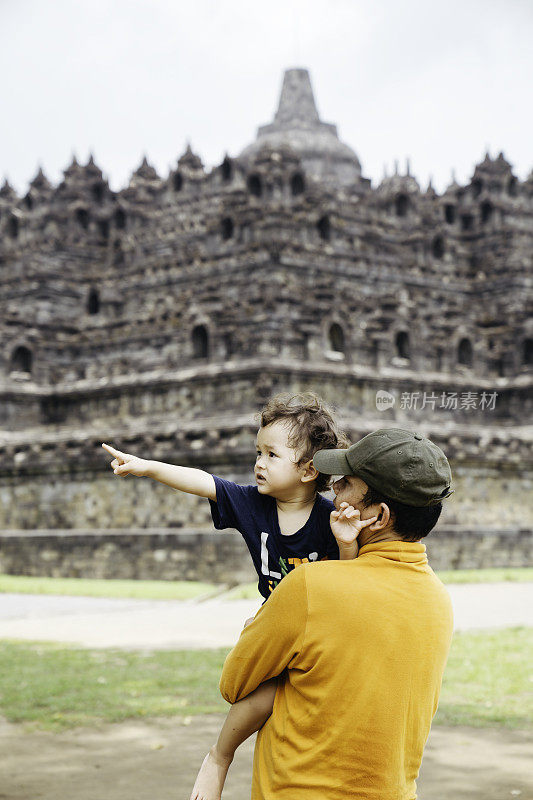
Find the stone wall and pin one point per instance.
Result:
(232, 388)
(61, 480)
(220, 557)
(485, 498)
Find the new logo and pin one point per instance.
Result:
(384, 400)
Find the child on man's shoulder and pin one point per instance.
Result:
(285, 522)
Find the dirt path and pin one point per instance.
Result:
(158, 760)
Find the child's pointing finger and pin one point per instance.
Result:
(113, 452)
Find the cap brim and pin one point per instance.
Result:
(332, 462)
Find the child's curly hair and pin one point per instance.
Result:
(312, 427)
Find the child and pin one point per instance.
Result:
(284, 522)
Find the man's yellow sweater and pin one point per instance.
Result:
(365, 643)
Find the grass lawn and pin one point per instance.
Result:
(185, 590)
(523, 575)
(488, 682)
(145, 590)
(489, 679)
(57, 687)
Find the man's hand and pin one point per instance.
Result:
(125, 464)
(346, 524)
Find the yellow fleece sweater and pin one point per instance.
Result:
(365, 643)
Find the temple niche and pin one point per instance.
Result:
(162, 316)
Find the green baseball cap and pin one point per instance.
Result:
(404, 466)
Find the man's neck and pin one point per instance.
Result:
(388, 534)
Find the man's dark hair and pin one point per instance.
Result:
(410, 523)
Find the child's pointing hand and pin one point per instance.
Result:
(125, 464)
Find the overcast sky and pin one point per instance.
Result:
(438, 81)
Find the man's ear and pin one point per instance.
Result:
(383, 517)
(310, 473)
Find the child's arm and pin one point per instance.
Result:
(346, 525)
(186, 479)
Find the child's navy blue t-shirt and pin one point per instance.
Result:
(256, 517)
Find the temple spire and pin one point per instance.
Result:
(298, 128)
(297, 101)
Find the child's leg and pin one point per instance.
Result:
(244, 718)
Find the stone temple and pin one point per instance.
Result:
(159, 318)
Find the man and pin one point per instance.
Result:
(363, 642)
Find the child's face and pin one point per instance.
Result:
(276, 470)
